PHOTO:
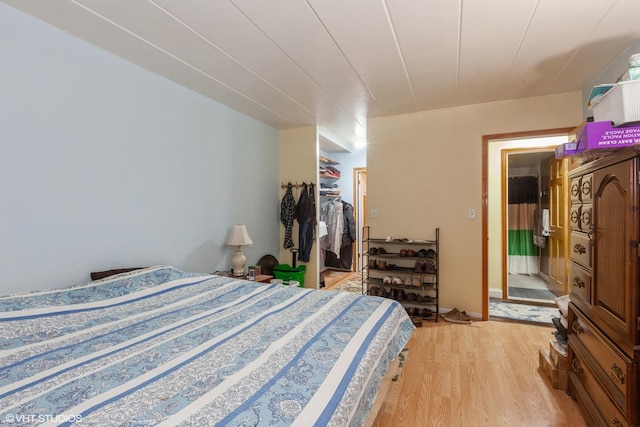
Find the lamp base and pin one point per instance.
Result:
(238, 261)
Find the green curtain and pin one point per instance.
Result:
(523, 198)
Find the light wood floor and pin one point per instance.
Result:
(483, 374)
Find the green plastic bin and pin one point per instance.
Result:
(286, 273)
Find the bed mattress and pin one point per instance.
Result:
(160, 346)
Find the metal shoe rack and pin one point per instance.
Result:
(412, 267)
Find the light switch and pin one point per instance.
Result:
(374, 213)
(472, 213)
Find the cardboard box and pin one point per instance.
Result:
(567, 149)
(620, 105)
(599, 136)
(558, 377)
(558, 356)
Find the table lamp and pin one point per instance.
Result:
(238, 237)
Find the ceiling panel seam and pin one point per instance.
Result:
(169, 54)
(194, 31)
(284, 52)
(576, 50)
(392, 28)
(516, 54)
(341, 51)
(459, 47)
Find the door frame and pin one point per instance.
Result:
(359, 208)
(485, 199)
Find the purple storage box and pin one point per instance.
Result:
(567, 149)
(601, 136)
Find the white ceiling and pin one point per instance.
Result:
(335, 63)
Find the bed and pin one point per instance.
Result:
(159, 346)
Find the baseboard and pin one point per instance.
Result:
(495, 293)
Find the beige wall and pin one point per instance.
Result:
(299, 163)
(424, 170)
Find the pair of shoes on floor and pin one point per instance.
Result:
(457, 316)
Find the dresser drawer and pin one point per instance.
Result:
(574, 216)
(607, 412)
(611, 368)
(575, 190)
(581, 217)
(586, 187)
(581, 249)
(586, 217)
(580, 283)
(581, 189)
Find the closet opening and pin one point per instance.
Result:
(340, 213)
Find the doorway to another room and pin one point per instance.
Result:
(527, 228)
(524, 249)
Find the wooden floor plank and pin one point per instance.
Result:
(483, 374)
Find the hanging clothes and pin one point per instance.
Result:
(305, 213)
(332, 215)
(349, 225)
(344, 258)
(541, 223)
(287, 215)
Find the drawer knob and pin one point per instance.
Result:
(579, 249)
(616, 374)
(577, 282)
(575, 365)
(577, 328)
(616, 422)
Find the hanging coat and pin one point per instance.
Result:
(287, 215)
(306, 215)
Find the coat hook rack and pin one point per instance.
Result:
(294, 185)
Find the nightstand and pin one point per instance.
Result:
(262, 278)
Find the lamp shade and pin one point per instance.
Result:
(239, 236)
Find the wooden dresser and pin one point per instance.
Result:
(604, 322)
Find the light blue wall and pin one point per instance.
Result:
(105, 165)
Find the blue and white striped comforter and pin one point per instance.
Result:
(164, 347)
